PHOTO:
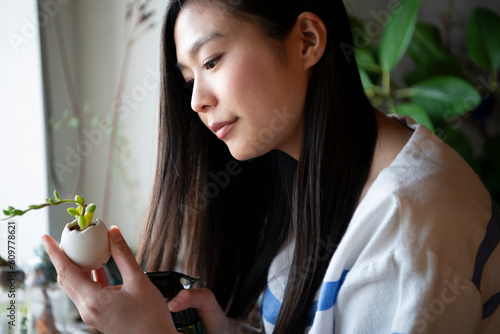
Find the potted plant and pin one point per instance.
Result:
(442, 92)
(85, 239)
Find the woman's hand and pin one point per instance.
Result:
(212, 316)
(137, 306)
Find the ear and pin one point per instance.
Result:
(312, 34)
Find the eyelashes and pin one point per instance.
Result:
(212, 62)
(209, 65)
(188, 85)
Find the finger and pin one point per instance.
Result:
(75, 281)
(58, 259)
(201, 299)
(100, 276)
(122, 255)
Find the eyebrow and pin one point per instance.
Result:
(195, 48)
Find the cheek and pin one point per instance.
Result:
(252, 86)
(252, 71)
(237, 83)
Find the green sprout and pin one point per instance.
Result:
(83, 213)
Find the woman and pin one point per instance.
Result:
(285, 191)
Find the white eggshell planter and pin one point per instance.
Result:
(88, 249)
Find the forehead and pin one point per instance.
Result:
(196, 21)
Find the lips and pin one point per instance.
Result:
(221, 129)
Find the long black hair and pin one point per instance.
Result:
(225, 220)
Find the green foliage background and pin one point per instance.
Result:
(440, 92)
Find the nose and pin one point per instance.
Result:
(202, 99)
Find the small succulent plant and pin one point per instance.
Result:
(83, 213)
(85, 240)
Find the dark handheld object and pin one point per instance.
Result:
(170, 283)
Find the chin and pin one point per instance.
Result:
(246, 153)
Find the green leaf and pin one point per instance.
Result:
(425, 47)
(86, 107)
(416, 75)
(366, 61)
(398, 33)
(416, 112)
(18, 212)
(431, 57)
(90, 208)
(56, 126)
(367, 84)
(88, 218)
(5, 212)
(445, 97)
(365, 80)
(82, 222)
(451, 66)
(73, 212)
(80, 200)
(66, 113)
(483, 39)
(56, 195)
(51, 201)
(74, 123)
(11, 209)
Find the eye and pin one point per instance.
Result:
(211, 63)
(188, 85)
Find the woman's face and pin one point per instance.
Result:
(245, 89)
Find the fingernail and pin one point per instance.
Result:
(44, 239)
(174, 303)
(116, 235)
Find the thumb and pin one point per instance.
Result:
(122, 255)
(203, 300)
